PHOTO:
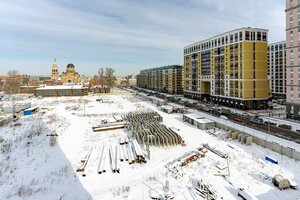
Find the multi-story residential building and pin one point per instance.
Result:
(162, 79)
(229, 69)
(292, 58)
(277, 69)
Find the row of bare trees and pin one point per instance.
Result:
(105, 78)
(11, 83)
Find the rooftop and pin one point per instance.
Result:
(60, 87)
(226, 33)
(199, 118)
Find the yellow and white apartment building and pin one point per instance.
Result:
(229, 69)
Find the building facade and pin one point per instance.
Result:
(61, 90)
(277, 69)
(292, 58)
(166, 79)
(70, 75)
(229, 69)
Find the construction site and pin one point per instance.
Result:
(127, 147)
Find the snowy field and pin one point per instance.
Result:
(37, 166)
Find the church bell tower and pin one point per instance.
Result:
(54, 74)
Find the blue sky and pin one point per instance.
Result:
(127, 35)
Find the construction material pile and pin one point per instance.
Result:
(116, 123)
(109, 126)
(147, 128)
(110, 156)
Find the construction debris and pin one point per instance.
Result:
(204, 189)
(176, 166)
(190, 158)
(219, 153)
(84, 163)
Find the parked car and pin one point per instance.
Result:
(285, 126)
(256, 120)
(206, 109)
(238, 120)
(216, 113)
(244, 114)
(224, 117)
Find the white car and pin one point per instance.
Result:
(244, 114)
(224, 117)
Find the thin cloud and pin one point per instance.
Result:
(125, 34)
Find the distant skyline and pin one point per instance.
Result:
(127, 35)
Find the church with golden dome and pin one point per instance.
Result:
(69, 76)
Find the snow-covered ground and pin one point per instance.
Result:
(36, 166)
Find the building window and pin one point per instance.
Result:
(264, 36)
(259, 36)
(247, 35)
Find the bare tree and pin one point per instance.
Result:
(12, 82)
(110, 77)
(1, 84)
(101, 78)
(12, 73)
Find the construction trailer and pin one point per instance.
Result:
(199, 121)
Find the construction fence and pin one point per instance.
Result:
(286, 151)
